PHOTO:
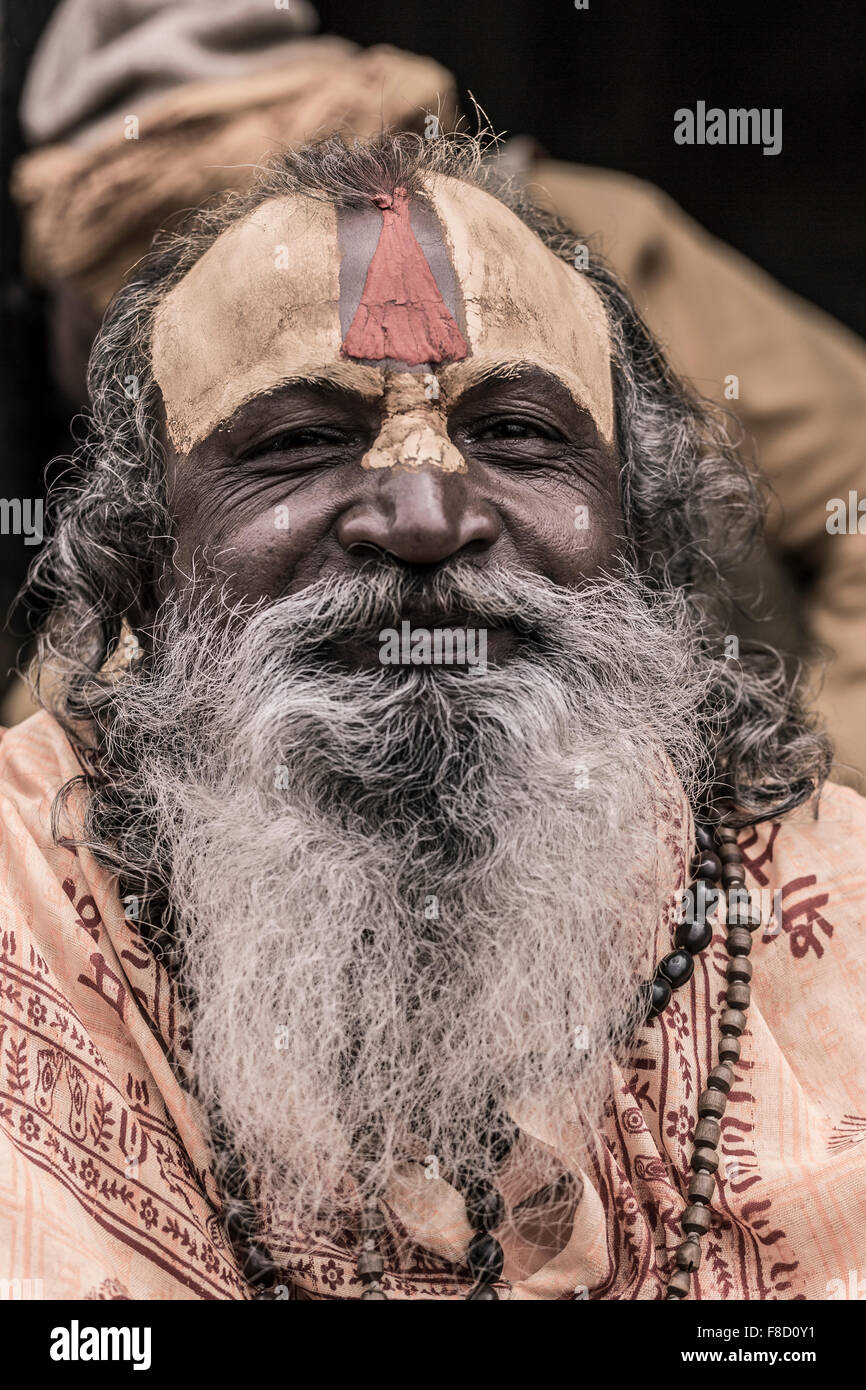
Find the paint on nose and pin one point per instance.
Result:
(413, 433)
(402, 317)
(409, 442)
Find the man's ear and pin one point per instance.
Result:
(128, 649)
(138, 619)
(141, 613)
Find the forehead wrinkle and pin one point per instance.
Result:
(459, 377)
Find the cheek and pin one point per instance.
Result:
(262, 555)
(580, 541)
(258, 550)
(564, 531)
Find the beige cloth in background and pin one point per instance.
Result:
(105, 1182)
(98, 59)
(90, 214)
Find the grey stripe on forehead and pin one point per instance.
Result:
(358, 232)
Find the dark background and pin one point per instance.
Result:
(598, 87)
(601, 86)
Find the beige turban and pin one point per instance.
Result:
(206, 92)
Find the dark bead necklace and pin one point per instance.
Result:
(742, 920)
(717, 856)
(692, 935)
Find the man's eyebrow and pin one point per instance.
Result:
(341, 379)
(515, 373)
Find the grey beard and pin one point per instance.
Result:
(401, 894)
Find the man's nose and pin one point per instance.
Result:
(422, 517)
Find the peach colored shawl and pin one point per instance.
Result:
(105, 1188)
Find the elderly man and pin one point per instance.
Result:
(383, 890)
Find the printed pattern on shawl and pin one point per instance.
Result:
(100, 1164)
(104, 1177)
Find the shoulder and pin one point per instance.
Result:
(830, 830)
(810, 872)
(36, 760)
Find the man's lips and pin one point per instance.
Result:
(362, 645)
(435, 618)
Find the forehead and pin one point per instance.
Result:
(267, 302)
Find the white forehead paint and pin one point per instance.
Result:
(521, 302)
(262, 306)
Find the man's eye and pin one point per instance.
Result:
(300, 439)
(514, 429)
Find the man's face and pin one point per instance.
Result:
(291, 461)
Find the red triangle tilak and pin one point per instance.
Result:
(402, 314)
